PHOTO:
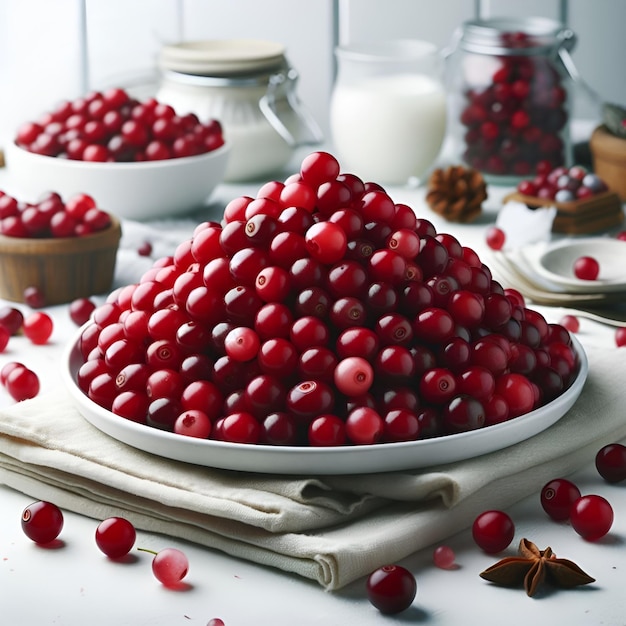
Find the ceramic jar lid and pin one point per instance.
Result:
(223, 57)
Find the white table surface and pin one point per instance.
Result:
(74, 584)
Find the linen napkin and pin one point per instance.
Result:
(331, 529)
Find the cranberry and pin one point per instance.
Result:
(169, 566)
(42, 522)
(318, 168)
(80, 310)
(327, 430)
(364, 426)
(444, 557)
(11, 319)
(611, 462)
(591, 517)
(22, 383)
(353, 376)
(557, 498)
(495, 238)
(391, 589)
(493, 531)
(34, 297)
(193, 423)
(571, 323)
(115, 536)
(586, 268)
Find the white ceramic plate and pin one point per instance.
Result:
(302, 460)
(556, 264)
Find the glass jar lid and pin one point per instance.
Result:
(519, 36)
(223, 57)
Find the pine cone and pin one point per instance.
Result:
(456, 193)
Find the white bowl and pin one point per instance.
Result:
(137, 191)
(556, 264)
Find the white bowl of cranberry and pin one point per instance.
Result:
(320, 314)
(139, 160)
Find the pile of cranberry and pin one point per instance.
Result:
(321, 313)
(113, 126)
(562, 184)
(517, 119)
(51, 216)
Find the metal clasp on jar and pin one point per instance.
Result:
(282, 86)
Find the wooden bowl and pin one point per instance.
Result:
(63, 269)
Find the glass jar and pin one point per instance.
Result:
(248, 86)
(388, 109)
(511, 81)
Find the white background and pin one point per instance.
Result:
(43, 58)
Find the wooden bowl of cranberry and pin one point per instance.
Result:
(53, 252)
(139, 159)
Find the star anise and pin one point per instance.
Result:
(532, 567)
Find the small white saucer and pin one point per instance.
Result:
(556, 264)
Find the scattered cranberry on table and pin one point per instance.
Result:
(570, 322)
(115, 536)
(444, 557)
(391, 589)
(557, 497)
(493, 531)
(42, 522)
(34, 297)
(38, 327)
(5, 335)
(169, 566)
(611, 462)
(591, 517)
(20, 381)
(144, 249)
(113, 126)
(11, 319)
(495, 238)
(80, 310)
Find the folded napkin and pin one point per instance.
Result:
(332, 529)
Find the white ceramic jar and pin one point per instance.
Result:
(250, 88)
(388, 109)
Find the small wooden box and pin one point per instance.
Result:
(63, 269)
(598, 213)
(609, 159)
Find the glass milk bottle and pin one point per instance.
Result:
(388, 110)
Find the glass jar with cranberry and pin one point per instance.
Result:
(511, 95)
